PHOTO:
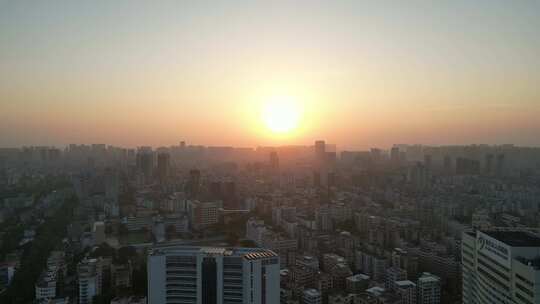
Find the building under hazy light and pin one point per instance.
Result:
(207, 275)
(501, 266)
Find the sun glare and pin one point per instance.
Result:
(281, 114)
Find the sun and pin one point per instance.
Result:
(281, 114)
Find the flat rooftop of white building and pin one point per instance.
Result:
(247, 253)
(515, 238)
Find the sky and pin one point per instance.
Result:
(364, 73)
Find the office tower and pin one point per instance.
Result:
(112, 192)
(312, 296)
(320, 152)
(112, 184)
(54, 155)
(429, 289)
(376, 154)
(187, 274)
(274, 160)
(229, 194)
(145, 163)
(215, 190)
(418, 175)
(194, 182)
(98, 231)
(394, 155)
(500, 266)
(330, 159)
(403, 157)
(500, 164)
(163, 166)
(428, 162)
(447, 164)
(316, 179)
(488, 164)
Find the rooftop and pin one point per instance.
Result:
(247, 253)
(312, 292)
(405, 283)
(358, 277)
(515, 238)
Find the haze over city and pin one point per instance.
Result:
(270, 152)
(251, 73)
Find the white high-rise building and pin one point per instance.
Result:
(429, 289)
(91, 276)
(204, 275)
(501, 266)
(88, 281)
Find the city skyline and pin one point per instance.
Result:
(362, 74)
(334, 147)
(270, 152)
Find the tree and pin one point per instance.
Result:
(35, 254)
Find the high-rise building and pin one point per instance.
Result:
(98, 231)
(320, 153)
(194, 183)
(406, 291)
(92, 276)
(428, 161)
(447, 164)
(163, 166)
(112, 185)
(488, 164)
(394, 155)
(145, 163)
(203, 214)
(186, 274)
(500, 164)
(274, 160)
(501, 266)
(429, 289)
(393, 275)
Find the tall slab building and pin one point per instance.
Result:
(208, 275)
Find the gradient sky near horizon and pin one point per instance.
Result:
(366, 73)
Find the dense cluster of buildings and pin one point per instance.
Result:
(296, 224)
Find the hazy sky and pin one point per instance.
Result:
(367, 73)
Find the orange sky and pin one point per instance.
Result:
(130, 73)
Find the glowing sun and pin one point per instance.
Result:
(281, 114)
